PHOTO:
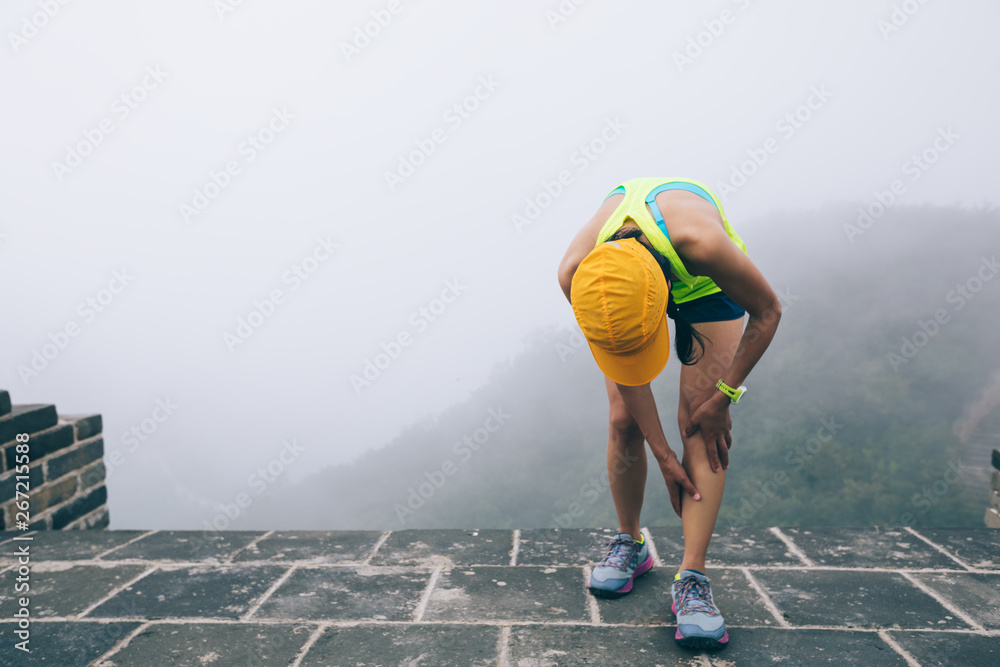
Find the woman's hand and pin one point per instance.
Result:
(676, 477)
(641, 405)
(710, 415)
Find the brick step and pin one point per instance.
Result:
(65, 470)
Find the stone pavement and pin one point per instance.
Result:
(425, 598)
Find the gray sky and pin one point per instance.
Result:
(309, 128)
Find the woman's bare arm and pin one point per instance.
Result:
(714, 254)
(583, 243)
(641, 405)
(710, 252)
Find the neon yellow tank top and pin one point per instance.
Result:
(641, 191)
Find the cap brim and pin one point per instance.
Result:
(638, 368)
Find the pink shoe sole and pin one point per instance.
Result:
(646, 566)
(698, 642)
(701, 642)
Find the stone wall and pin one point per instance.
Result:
(993, 511)
(65, 468)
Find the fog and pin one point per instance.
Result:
(239, 206)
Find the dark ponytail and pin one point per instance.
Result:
(684, 334)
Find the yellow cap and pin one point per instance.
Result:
(619, 297)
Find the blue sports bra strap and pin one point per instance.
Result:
(620, 190)
(681, 185)
(657, 216)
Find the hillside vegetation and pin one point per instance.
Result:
(884, 341)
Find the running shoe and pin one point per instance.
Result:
(626, 560)
(699, 621)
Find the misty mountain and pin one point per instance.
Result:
(888, 335)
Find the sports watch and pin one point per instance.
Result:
(733, 394)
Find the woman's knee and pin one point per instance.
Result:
(622, 426)
(621, 422)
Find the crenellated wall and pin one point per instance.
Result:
(63, 487)
(993, 510)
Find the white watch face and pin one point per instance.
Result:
(739, 393)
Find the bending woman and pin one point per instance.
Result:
(662, 247)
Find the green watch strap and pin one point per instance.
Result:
(733, 394)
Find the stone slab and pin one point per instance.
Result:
(85, 426)
(347, 593)
(47, 442)
(214, 644)
(314, 546)
(186, 545)
(25, 419)
(450, 547)
(188, 592)
(649, 601)
(65, 591)
(416, 645)
(553, 646)
(854, 600)
(571, 546)
(952, 649)
(509, 594)
(66, 644)
(48, 545)
(79, 507)
(980, 547)
(867, 547)
(764, 646)
(729, 547)
(978, 595)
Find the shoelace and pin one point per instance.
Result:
(693, 595)
(623, 554)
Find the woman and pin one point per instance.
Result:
(662, 247)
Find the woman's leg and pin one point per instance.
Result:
(626, 462)
(698, 517)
